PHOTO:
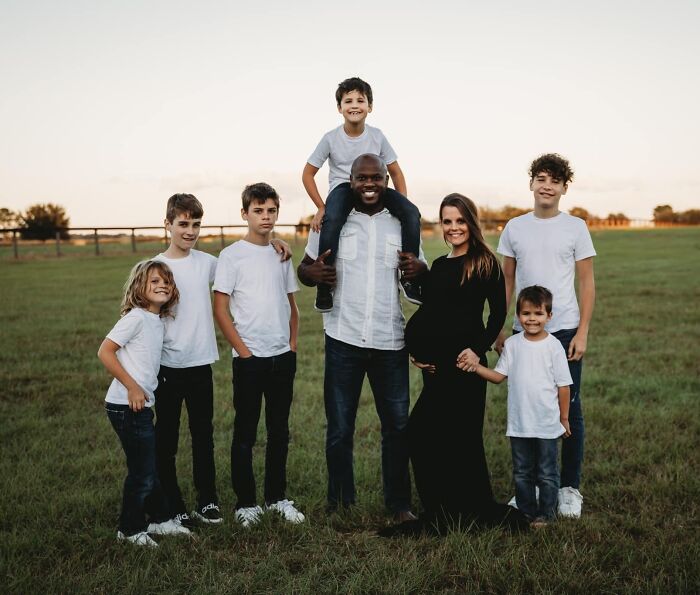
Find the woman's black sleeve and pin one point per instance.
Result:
(496, 298)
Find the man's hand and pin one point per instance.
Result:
(425, 367)
(577, 347)
(281, 247)
(313, 272)
(410, 266)
(500, 340)
(318, 219)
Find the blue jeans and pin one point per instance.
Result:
(346, 366)
(572, 447)
(254, 377)
(535, 464)
(341, 201)
(142, 494)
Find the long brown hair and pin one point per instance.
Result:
(480, 259)
(136, 284)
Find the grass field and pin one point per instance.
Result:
(61, 467)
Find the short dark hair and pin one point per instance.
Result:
(353, 84)
(259, 193)
(553, 164)
(183, 204)
(537, 296)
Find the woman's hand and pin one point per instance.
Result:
(467, 360)
(425, 367)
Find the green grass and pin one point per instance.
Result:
(62, 468)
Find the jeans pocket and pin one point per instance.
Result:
(116, 417)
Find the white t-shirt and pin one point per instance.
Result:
(139, 333)
(190, 339)
(366, 306)
(535, 370)
(546, 251)
(341, 150)
(259, 284)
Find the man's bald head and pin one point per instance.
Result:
(365, 159)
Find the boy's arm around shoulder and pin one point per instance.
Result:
(397, 177)
(586, 290)
(223, 319)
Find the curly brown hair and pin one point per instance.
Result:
(553, 164)
(136, 284)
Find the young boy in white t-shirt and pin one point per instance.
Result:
(254, 288)
(549, 248)
(538, 404)
(341, 146)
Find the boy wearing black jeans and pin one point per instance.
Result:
(254, 288)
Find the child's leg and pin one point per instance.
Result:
(547, 477)
(200, 412)
(137, 437)
(338, 206)
(248, 376)
(524, 452)
(278, 400)
(409, 216)
(168, 408)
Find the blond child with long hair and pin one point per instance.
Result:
(131, 353)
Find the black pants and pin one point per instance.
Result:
(254, 377)
(193, 386)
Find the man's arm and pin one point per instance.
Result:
(586, 295)
(312, 272)
(509, 266)
(309, 181)
(223, 319)
(397, 177)
(293, 323)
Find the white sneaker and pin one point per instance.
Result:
(137, 539)
(513, 504)
(287, 510)
(171, 527)
(249, 516)
(570, 501)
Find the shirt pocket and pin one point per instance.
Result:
(347, 247)
(393, 246)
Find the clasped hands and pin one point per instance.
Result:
(467, 361)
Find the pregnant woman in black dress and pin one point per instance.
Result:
(446, 424)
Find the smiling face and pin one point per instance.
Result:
(184, 231)
(261, 218)
(533, 317)
(455, 229)
(354, 108)
(158, 290)
(547, 190)
(368, 181)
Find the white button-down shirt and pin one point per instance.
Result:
(366, 305)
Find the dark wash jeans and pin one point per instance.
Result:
(346, 366)
(572, 447)
(535, 464)
(142, 494)
(341, 201)
(193, 386)
(254, 377)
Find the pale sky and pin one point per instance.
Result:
(108, 108)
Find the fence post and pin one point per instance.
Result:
(97, 244)
(133, 240)
(58, 243)
(221, 229)
(15, 244)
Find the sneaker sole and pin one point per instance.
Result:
(202, 519)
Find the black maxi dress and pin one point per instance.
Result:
(446, 424)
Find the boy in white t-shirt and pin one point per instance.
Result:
(549, 248)
(538, 403)
(341, 146)
(254, 288)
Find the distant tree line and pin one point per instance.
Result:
(666, 214)
(38, 222)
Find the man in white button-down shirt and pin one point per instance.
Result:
(364, 335)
